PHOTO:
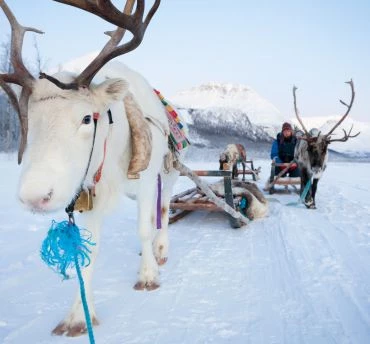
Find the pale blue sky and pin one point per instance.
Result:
(268, 45)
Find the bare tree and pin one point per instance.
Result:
(9, 124)
(40, 62)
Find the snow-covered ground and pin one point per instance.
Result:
(297, 276)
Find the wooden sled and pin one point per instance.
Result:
(280, 180)
(250, 170)
(203, 198)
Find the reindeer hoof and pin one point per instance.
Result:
(146, 285)
(162, 261)
(73, 330)
(60, 329)
(77, 330)
(151, 286)
(310, 205)
(160, 254)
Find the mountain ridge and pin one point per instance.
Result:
(218, 108)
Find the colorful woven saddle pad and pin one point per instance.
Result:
(177, 133)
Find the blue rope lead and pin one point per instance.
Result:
(65, 248)
(305, 191)
(303, 195)
(84, 303)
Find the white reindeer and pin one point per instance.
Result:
(61, 130)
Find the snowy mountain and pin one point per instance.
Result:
(226, 120)
(244, 106)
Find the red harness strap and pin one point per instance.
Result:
(98, 173)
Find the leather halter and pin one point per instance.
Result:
(70, 208)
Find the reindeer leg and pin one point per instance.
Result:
(148, 274)
(305, 177)
(314, 188)
(74, 324)
(161, 242)
(235, 171)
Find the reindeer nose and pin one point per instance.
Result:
(47, 198)
(36, 202)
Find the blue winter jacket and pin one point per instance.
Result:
(283, 150)
(275, 151)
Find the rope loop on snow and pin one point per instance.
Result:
(65, 248)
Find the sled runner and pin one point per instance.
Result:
(254, 172)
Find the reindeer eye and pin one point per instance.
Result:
(86, 119)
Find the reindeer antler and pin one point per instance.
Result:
(124, 21)
(297, 112)
(345, 137)
(135, 23)
(20, 76)
(348, 108)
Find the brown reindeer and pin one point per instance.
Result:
(232, 155)
(311, 151)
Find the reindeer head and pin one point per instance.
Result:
(313, 147)
(224, 159)
(63, 131)
(58, 113)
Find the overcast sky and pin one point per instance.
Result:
(268, 45)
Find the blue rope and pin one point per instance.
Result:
(303, 195)
(84, 303)
(305, 191)
(65, 248)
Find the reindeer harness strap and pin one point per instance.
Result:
(80, 198)
(98, 173)
(71, 206)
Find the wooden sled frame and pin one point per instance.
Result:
(280, 180)
(203, 198)
(254, 172)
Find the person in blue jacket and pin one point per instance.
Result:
(282, 150)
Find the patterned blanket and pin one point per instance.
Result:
(177, 133)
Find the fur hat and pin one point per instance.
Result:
(286, 126)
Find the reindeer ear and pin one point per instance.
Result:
(112, 90)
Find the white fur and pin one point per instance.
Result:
(57, 155)
(230, 154)
(257, 209)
